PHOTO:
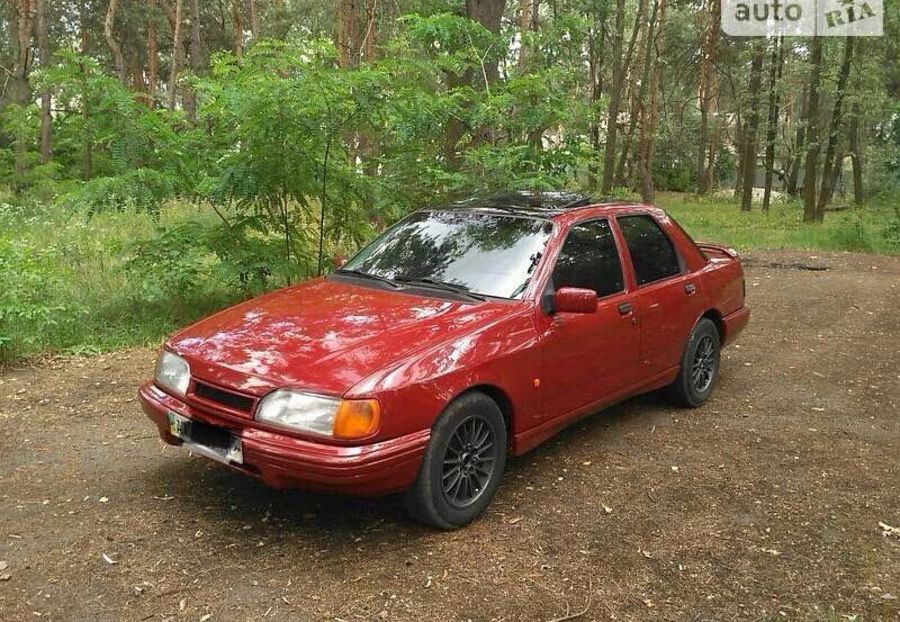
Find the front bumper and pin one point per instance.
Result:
(283, 461)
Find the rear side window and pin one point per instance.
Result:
(651, 250)
(589, 259)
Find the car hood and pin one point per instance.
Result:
(323, 335)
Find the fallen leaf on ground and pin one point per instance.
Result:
(887, 530)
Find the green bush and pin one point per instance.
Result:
(26, 275)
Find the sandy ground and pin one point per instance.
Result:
(763, 504)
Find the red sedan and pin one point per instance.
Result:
(461, 335)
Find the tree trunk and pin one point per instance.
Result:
(237, 20)
(749, 159)
(595, 69)
(368, 149)
(649, 118)
(524, 26)
(620, 73)
(857, 158)
(109, 24)
(709, 174)
(645, 52)
(615, 99)
(740, 131)
(370, 34)
(46, 118)
(176, 54)
(527, 22)
(347, 36)
(812, 133)
(25, 15)
(489, 14)
(828, 164)
(197, 62)
(18, 80)
(799, 145)
(254, 22)
(152, 55)
(777, 61)
(87, 148)
(708, 94)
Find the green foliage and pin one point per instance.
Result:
(186, 260)
(25, 275)
(138, 156)
(891, 231)
(140, 189)
(720, 220)
(285, 109)
(145, 218)
(173, 267)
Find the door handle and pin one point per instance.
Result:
(690, 289)
(624, 308)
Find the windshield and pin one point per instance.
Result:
(488, 254)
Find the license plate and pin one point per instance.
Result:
(207, 440)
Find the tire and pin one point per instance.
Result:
(463, 464)
(699, 366)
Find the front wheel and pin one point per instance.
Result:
(463, 464)
(699, 366)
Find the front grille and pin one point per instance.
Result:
(232, 401)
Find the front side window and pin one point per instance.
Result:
(652, 253)
(589, 259)
(488, 254)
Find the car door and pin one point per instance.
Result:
(588, 357)
(665, 300)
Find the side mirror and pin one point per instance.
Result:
(575, 300)
(338, 261)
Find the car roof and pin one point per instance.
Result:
(541, 204)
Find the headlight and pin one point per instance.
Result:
(172, 372)
(305, 412)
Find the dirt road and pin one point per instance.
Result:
(763, 504)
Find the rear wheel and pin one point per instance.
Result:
(699, 366)
(463, 464)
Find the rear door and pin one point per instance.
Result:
(588, 358)
(666, 300)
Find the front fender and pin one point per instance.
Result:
(503, 354)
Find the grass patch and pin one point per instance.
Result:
(874, 228)
(64, 286)
(67, 283)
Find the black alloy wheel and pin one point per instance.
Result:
(463, 463)
(704, 366)
(699, 365)
(469, 462)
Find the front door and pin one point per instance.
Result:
(588, 358)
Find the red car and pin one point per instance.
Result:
(461, 335)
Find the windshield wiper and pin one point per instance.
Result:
(434, 284)
(367, 275)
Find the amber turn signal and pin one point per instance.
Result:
(356, 418)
